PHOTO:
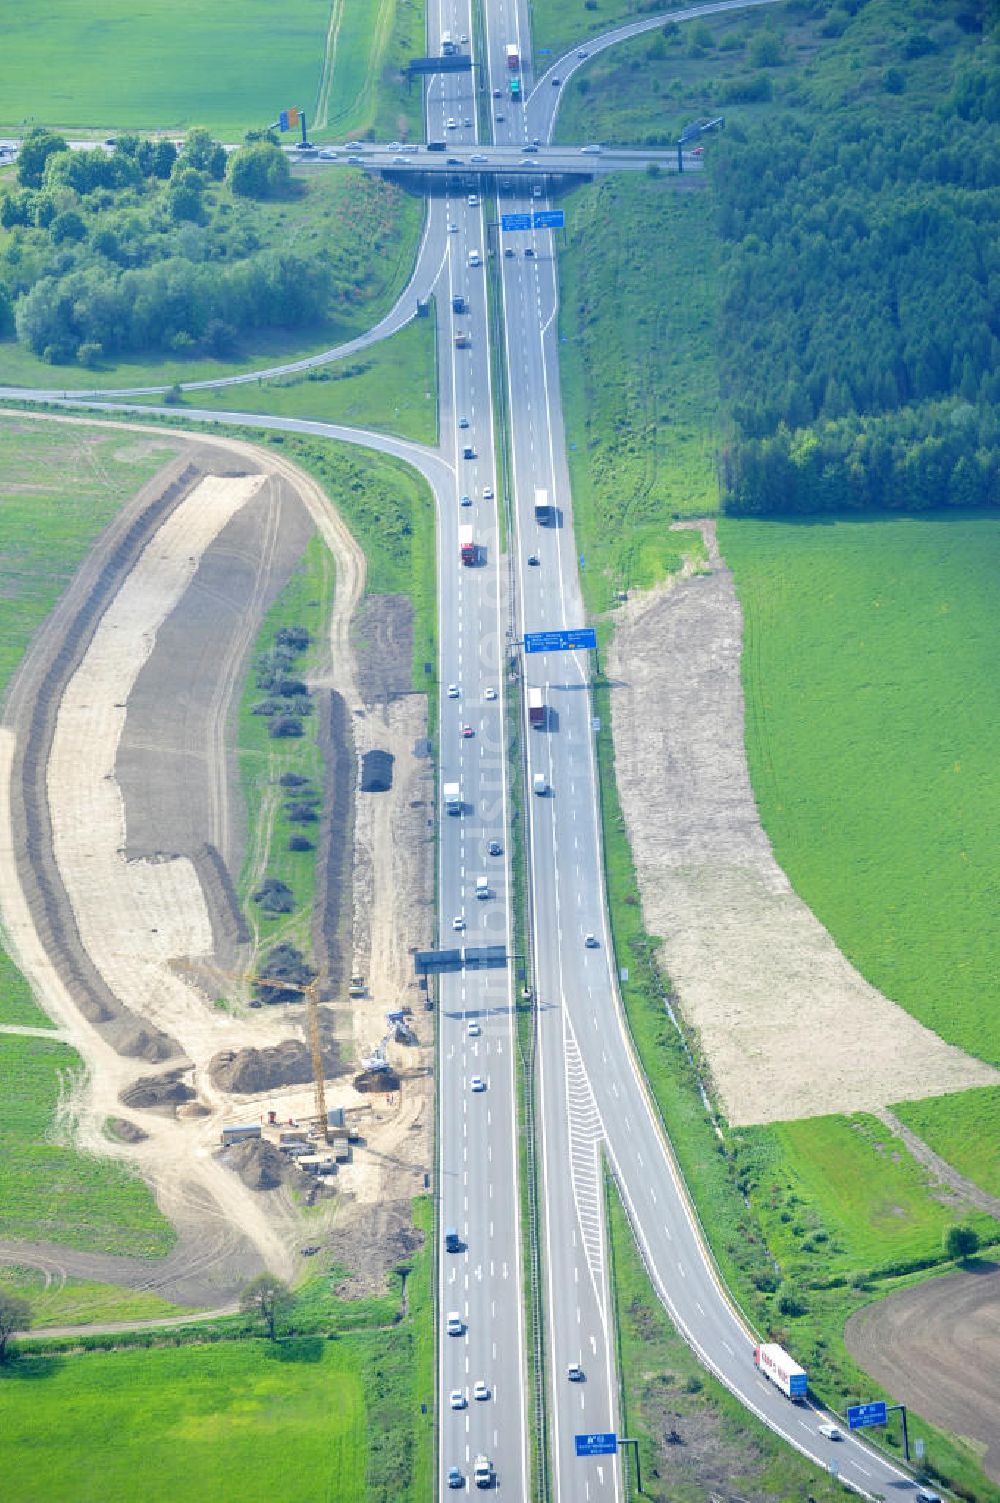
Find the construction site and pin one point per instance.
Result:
(269, 1107)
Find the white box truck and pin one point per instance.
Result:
(452, 798)
(482, 888)
(774, 1362)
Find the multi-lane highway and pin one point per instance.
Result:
(592, 1098)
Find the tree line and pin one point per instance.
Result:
(137, 250)
(860, 296)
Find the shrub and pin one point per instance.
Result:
(285, 725)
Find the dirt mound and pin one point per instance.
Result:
(158, 1092)
(383, 639)
(137, 1040)
(370, 1081)
(372, 1244)
(376, 771)
(124, 1131)
(261, 1166)
(251, 1070)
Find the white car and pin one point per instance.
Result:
(487, 493)
(473, 200)
(473, 1029)
(478, 157)
(456, 1399)
(455, 1325)
(477, 1083)
(832, 1432)
(591, 941)
(491, 693)
(453, 229)
(328, 156)
(451, 123)
(458, 922)
(590, 151)
(474, 258)
(574, 1372)
(395, 145)
(480, 1390)
(452, 691)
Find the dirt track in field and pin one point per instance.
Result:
(936, 1348)
(121, 837)
(788, 1028)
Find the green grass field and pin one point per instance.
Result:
(391, 388)
(49, 1193)
(78, 1302)
(872, 705)
(366, 228)
(109, 66)
(962, 1128)
(639, 387)
(840, 1198)
(59, 486)
(246, 1419)
(305, 601)
(331, 1411)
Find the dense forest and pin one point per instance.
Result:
(860, 267)
(141, 248)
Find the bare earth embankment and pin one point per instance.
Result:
(122, 830)
(788, 1027)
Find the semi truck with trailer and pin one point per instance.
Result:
(545, 514)
(513, 58)
(774, 1362)
(536, 708)
(466, 546)
(452, 795)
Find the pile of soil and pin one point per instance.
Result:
(124, 1131)
(262, 1166)
(130, 1036)
(157, 1093)
(370, 1081)
(383, 1239)
(376, 771)
(249, 1071)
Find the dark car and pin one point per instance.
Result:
(455, 162)
(495, 848)
(468, 452)
(556, 82)
(529, 253)
(509, 252)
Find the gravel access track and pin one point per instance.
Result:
(788, 1027)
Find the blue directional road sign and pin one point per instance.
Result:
(560, 641)
(859, 1416)
(597, 1445)
(515, 221)
(550, 219)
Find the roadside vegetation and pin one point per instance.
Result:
(695, 1439)
(390, 510)
(147, 264)
(640, 391)
(872, 701)
(557, 25)
(391, 388)
(281, 762)
(340, 1390)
